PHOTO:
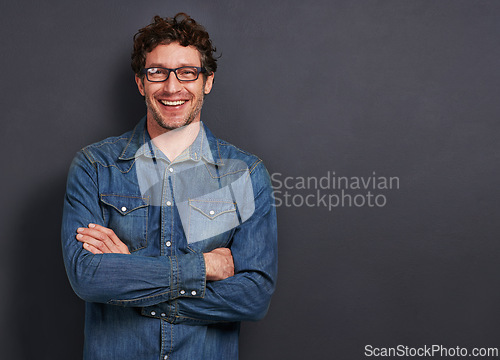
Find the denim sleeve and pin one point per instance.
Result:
(117, 278)
(246, 295)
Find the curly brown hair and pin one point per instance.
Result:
(182, 29)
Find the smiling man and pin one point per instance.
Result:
(169, 234)
(172, 104)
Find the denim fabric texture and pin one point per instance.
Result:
(156, 303)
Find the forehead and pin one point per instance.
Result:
(173, 55)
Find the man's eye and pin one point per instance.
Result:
(155, 71)
(187, 72)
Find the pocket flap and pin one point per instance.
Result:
(212, 208)
(124, 204)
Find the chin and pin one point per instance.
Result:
(172, 125)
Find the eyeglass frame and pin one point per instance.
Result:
(199, 70)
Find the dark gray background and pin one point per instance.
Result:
(403, 88)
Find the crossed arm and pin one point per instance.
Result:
(97, 239)
(102, 271)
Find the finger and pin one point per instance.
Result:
(106, 236)
(92, 249)
(98, 235)
(96, 243)
(111, 236)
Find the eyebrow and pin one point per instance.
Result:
(163, 66)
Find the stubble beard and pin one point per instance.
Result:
(158, 117)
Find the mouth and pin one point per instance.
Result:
(172, 103)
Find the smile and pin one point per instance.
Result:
(172, 103)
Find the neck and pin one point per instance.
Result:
(172, 143)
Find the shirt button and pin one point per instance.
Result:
(183, 292)
(124, 208)
(163, 314)
(171, 170)
(211, 212)
(153, 313)
(165, 357)
(193, 293)
(169, 203)
(168, 243)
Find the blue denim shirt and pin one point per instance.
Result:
(156, 303)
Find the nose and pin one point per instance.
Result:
(172, 84)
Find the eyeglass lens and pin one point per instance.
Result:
(186, 73)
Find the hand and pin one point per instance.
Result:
(219, 264)
(99, 240)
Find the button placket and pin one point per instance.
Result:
(167, 210)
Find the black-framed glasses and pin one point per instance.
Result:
(183, 73)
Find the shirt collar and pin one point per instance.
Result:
(204, 146)
(198, 149)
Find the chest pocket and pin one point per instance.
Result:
(210, 219)
(127, 216)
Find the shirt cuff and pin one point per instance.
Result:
(188, 276)
(188, 280)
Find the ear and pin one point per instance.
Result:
(208, 84)
(140, 84)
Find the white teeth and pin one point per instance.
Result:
(173, 103)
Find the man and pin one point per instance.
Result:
(169, 234)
